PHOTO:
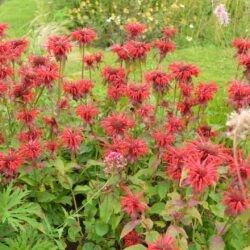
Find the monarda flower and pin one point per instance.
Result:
(3, 27)
(5, 71)
(28, 76)
(89, 60)
(146, 112)
(201, 174)
(235, 202)
(117, 124)
(163, 139)
(28, 116)
(31, 135)
(183, 72)
(160, 80)
(116, 92)
(168, 32)
(114, 76)
(185, 106)
(137, 50)
(204, 92)
(133, 204)
(134, 30)
(120, 51)
(174, 124)
(87, 113)
(17, 47)
(242, 45)
(84, 36)
(206, 132)
(22, 92)
(164, 47)
(132, 238)
(31, 150)
(3, 88)
(54, 128)
(138, 93)
(244, 60)
(78, 89)
(186, 89)
(114, 161)
(37, 61)
(11, 161)
(59, 47)
(165, 242)
(72, 138)
(239, 94)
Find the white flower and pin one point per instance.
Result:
(191, 26)
(189, 38)
(182, 6)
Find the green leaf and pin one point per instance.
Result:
(162, 189)
(216, 242)
(59, 165)
(152, 236)
(194, 213)
(45, 196)
(101, 228)
(65, 181)
(79, 189)
(218, 210)
(136, 247)
(157, 208)
(106, 208)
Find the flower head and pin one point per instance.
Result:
(135, 29)
(86, 112)
(72, 138)
(165, 242)
(222, 14)
(84, 36)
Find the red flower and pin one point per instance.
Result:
(138, 93)
(32, 150)
(17, 47)
(28, 116)
(121, 52)
(235, 201)
(163, 139)
(132, 238)
(204, 92)
(114, 76)
(117, 124)
(52, 146)
(89, 60)
(72, 139)
(174, 124)
(239, 94)
(147, 113)
(22, 92)
(165, 242)
(98, 57)
(11, 161)
(183, 72)
(28, 76)
(116, 92)
(84, 36)
(86, 112)
(206, 131)
(137, 50)
(132, 204)
(5, 71)
(185, 106)
(159, 79)
(31, 135)
(52, 123)
(201, 174)
(242, 45)
(135, 29)
(3, 88)
(168, 32)
(79, 88)
(3, 27)
(164, 47)
(186, 89)
(59, 46)
(244, 60)
(37, 61)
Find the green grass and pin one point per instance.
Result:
(18, 14)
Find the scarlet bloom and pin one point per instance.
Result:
(52, 146)
(132, 204)
(244, 60)
(37, 61)
(164, 47)
(239, 94)
(5, 71)
(52, 123)
(28, 116)
(89, 60)
(132, 238)
(11, 161)
(147, 113)
(165, 242)
(235, 202)
(137, 50)
(135, 29)
(32, 150)
(120, 51)
(204, 92)
(174, 124)
(185, 106)
(183, 72)
(159, 79)
(206, 131)
(242, 45)
(138, 93)
(17, 47)
(201, 174)
(84, 36)
(186, 89)
(117, 124)
(98, 57)
(22, 92)
(116, 92)
(3, 27)
(114, 76)
(78, 89)
(31, 135)
(168, 32)
(3, 88)
(59, 47)
(163, 139)
(72, 138)
(86, 112)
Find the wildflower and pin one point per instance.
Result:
(168, 32)
(114, 76)
(11, 161)
(52, 146)
(204, 92)
(160, 80)
(87, 113)
(5, 71)
(174, 124)
(59, 46)
(78, 89)
(135, 29)
(132, 204)
(31, 135)
(17, 47)
(244, 60)
(114, 161)
(117, 124)
(132, 238)
(84, 36)
(242, 45)
(121, 52)
(89, 60)
(28, 116)
(164, 47)
(3, 27)
(163, 139)
(3, 88)
(235, 202)
(183, 72)
(72, 138)
(37, 61)
(138, 93)
(206, 132)
(98, 57)
(22, 92)
(165, 242)
(222, 14)
(54, 128)
(116, 92)
(185, 106)
(137, 50)
(32, 149)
